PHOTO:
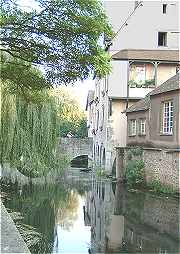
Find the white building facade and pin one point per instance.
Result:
(144, 55)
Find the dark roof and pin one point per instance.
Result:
(171, 84)
(141, 105)
(90, 98)
(124, 98)
(145, 54)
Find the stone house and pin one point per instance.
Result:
(154, 125)
(139, 64)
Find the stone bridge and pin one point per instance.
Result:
(76, 147)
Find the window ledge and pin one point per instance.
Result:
(166, 134)
(142, 135)
(132, 135)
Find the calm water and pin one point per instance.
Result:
(90, 216)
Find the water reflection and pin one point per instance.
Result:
(124, 222)
(90, 216)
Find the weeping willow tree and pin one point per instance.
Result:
(28, 130)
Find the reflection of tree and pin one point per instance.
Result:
(67, 214)
(39, 206)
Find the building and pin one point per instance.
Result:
(90, 112)
(139, 64)
(154, 124)
(154, 121)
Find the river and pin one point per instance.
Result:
(88, 215)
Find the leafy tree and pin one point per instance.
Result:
(22, 77)
(72, 118)
(61, 35)
(82, 128)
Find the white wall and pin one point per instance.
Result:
(118, 79)
(142, 28)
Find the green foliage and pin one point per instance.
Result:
(28, 133)
(136, 151)
(40, 208)
(21, 76)
(82, 128)
(157, 187)
(62, 36)
(72, 118)
(100, 172)
(146, 83)
(134, 173)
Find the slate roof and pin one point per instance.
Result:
(171, 84)
(144, 54)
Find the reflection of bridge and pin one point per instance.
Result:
(76, 147)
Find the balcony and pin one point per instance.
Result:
(149, 83)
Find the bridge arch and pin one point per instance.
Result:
(76, 147)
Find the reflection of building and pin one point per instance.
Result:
(131, 222)
(144, 55)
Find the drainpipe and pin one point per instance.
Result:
(155, 72)
(128, 72)
(127, 101)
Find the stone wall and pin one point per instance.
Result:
(74, 147)
(162, 165)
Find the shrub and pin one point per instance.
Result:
(100, 172)
(134, 173)
(157, 187)
(137, 151)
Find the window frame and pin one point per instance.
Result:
(110, 107)
(132, 129)
(164, 44)
(164, 8)
(142, 122)
(167, 125)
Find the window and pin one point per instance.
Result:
(102, 115)
(162, 39)
(97, 120)
(132, 127)
(138, 73)
(164, 8)
(110, 107)
(168, 117)
(142, 126)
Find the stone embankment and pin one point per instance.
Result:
(11, 240)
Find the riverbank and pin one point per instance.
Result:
(11, 240)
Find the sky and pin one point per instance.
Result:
(77, 239)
